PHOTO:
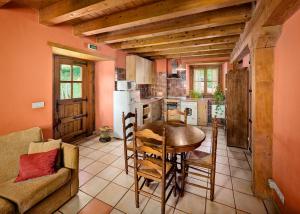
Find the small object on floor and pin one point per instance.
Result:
(105, 134)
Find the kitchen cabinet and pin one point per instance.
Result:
(202, 112)
(139, 69)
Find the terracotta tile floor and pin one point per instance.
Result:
(105, 187)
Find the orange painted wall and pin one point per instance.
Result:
(286, 138)
(26, 69)
(104, 87)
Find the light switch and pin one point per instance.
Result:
(38, 105)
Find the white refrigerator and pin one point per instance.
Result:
(124, 101)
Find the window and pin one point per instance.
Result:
(70, 82)
(205, 79)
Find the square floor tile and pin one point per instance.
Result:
(222, 152)
(249, 203)
(96, 145)
(223, 169)
(85, 151)
(95, 167)
(112, 194)
(84, 177)
(237, 155)
(94, 186)
(96, 154)
(108, 158)
(84, 162)
(96, 206)
(107, 148)
(154, 207)
(127, 203)
(76, 203)
(216, 208)
(191, 203)
(222, 160)
(242, 185)
(224, 196)
(241, 173)
(239, 163)
(109, 173)
(115, 211)
(223, 180)
(124, 180)
(119, 163)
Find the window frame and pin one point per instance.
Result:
(71, 81)
(205, 68)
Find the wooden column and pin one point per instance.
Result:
(262, 66)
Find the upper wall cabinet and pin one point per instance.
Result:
(139, 69)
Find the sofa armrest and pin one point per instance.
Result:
(70, 156)
(71, 161)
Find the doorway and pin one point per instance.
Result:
(73, 98)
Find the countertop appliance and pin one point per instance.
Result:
(125, 85)
(124, 101)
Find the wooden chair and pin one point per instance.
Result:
(176, 112)
(128, 128)
(199, 160)
(150, 168)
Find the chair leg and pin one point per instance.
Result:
(163, 196)
(126, 159)
(136, 185)
(184, 175)
(212, 184)
(175, 177)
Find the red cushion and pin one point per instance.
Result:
(37, 165)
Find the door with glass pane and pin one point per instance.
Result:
(73, 98)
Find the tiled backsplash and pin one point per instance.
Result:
(169, 87)
(146, 91)
(176, 87)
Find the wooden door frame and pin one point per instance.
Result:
(90, 96)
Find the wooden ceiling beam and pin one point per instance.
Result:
(186, 44)
(4, 2)
(155, 12)
(183, 36)
(224, 47)
(266, 13)
(224, 16)
(200, 55)
(66, 10)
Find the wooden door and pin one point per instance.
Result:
(237, 108)
(73, 98)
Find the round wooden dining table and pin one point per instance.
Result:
(179, 138)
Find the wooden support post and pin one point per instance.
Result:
(262, 65)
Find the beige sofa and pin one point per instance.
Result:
(40, 195)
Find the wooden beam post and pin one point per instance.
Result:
(262, 69)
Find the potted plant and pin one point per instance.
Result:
(218, 106)
(195, 94)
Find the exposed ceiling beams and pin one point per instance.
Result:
(184, 36)
(185, 44)
(191, 50)
(155, 28)
(66, 10)
(224, 16)
(212, 54)
(155, 12)
(3, 2)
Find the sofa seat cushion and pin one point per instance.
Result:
(27, 193)
(6, 207)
